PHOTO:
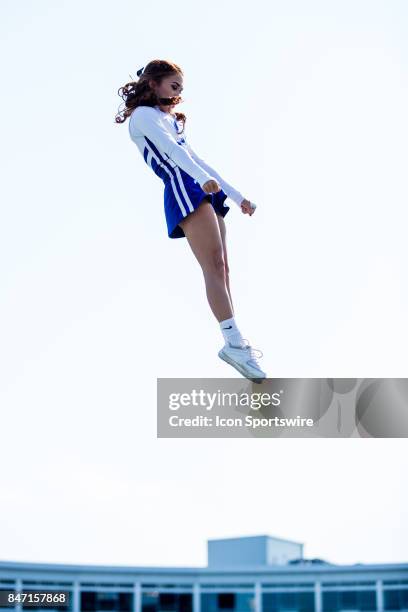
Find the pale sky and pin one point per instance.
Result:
(302, 107)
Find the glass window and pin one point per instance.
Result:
(92, 601)
(108, 584)
(237, 602)
(396, 599)
(349, 584)
(153, 586)
(164, 602)
(45, 583)
(349, 600)
(227, 587)
(226, 601)
(279, 602)
(287, 585)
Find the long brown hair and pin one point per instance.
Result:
(139, 93)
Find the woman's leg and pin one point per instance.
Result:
(223, 231)
(204, 237)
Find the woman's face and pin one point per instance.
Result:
(170, 86)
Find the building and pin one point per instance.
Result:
(246, 574)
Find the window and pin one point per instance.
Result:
(396, 599)
(349, 600)
(93, 601)
(236, 602)
(226, 601)
(278, 602)
(164, 602)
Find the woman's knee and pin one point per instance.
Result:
(215, 261)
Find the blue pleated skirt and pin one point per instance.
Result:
(182, 195)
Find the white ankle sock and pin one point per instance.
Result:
(231, 332)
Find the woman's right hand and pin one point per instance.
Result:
(211, 186)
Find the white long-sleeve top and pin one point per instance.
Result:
(156, 131)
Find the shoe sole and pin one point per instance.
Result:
(241, 369)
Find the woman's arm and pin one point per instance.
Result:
(232, 193)
(147, 120)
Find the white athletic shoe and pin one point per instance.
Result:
(244, 360)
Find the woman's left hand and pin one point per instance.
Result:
(247, 207)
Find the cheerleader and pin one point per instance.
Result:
(194, 195)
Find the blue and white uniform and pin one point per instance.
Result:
(174, 161)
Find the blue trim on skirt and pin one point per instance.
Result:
(182, 195)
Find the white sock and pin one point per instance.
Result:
(231, 332)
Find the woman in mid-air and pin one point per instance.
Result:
(194, 194)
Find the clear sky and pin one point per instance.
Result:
(302, 107)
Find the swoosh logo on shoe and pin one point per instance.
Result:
(230, 327)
